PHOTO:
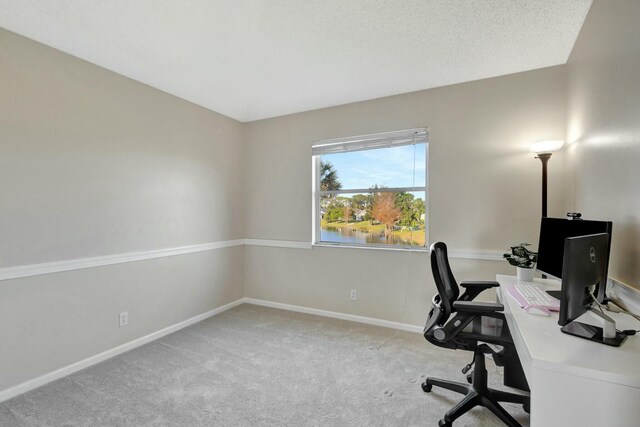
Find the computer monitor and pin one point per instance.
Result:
(583, 272)
(554, 231)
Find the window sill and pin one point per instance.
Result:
(371, 247)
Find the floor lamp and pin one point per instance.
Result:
(544, 149)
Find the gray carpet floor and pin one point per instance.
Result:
(259, 366)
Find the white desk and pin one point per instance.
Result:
(573, 381)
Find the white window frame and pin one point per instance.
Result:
(361, 143)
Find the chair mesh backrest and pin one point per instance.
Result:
(445, 282)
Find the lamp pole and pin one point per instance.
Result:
(544, 158)
(543, 149)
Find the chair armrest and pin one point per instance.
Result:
(477, 284)
(477, 307)
(473, 289)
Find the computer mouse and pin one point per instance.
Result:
(538, 311)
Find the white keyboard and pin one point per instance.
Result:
(529, 295)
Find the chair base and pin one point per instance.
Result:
(478, 394)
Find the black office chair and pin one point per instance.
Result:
(457, 322)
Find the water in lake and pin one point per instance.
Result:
(348, 235)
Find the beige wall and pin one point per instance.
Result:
(603, 126)
(92, 164)
(484, 190)
(54, 320)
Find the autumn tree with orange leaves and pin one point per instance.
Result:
(385, 211)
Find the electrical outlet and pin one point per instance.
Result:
(354, 295)
(124, 318)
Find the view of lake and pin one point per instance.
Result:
(347, 235)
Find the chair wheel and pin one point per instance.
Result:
(527, 408)
(469, 377)
(426, 387)
(444, 423)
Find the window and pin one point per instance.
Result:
(371, 190)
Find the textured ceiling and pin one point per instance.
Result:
(253, 59)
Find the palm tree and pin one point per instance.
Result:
(328, 177)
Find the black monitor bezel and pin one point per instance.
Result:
(608, 226)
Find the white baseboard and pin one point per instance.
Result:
(336, 315)
(101, 357)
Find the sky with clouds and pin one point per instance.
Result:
(388, 167)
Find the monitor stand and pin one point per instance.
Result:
(555, 294)
(607, 335)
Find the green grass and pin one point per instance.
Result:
(417, 236)
(364, 226)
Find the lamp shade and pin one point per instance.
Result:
(547, 146)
